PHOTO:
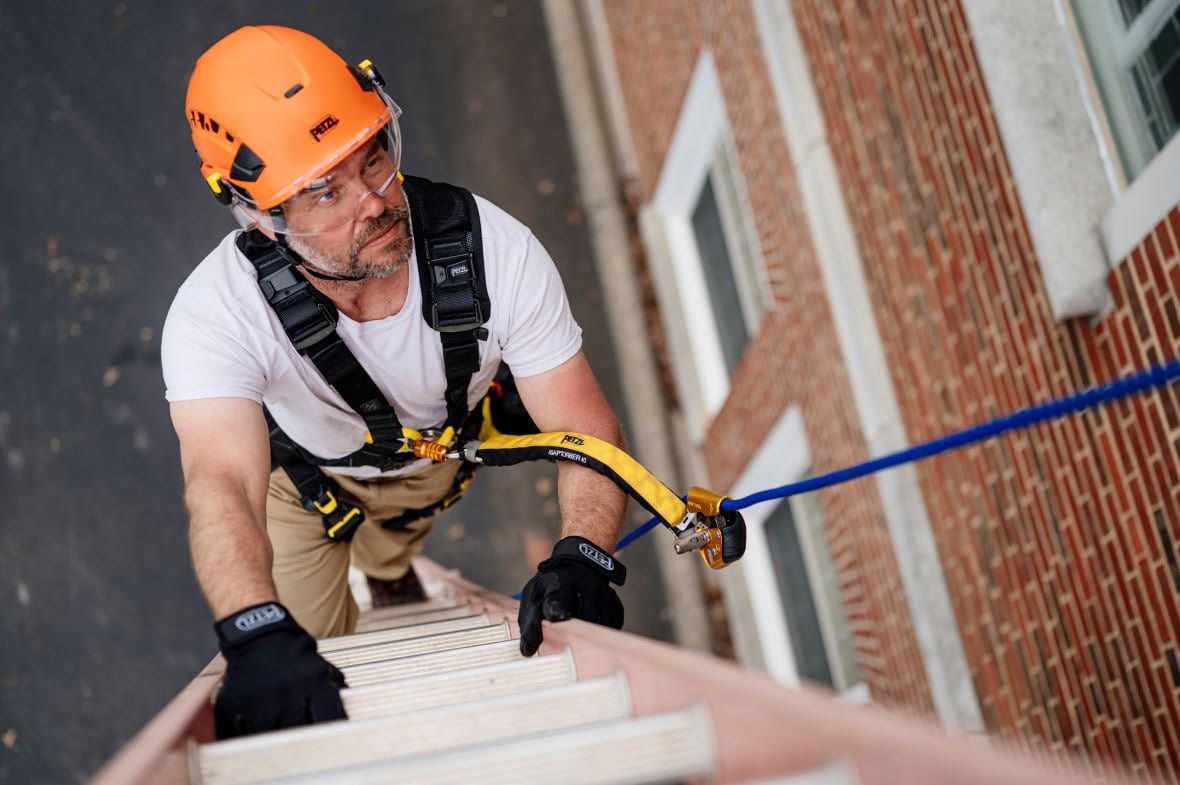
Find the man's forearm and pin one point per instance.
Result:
(231, 553)
(592, 506)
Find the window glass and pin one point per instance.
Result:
(724, 303)
(746, 266)
(1131, 9)
(1157, 79)
(838, 634)
(1133, 47)
(794, 584)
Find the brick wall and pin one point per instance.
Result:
(1059, 544)
(795, 356)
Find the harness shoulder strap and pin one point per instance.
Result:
(309, 320)
(455, 301)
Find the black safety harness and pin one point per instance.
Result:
(449, 248)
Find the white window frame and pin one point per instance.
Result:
(784, 457)
(1123, 47)
(1137, 207)
(701, 143)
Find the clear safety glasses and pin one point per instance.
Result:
(333, 200)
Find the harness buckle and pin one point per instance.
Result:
(327, 502)
(307, 336)
(342, 525)
(282, 285)
(457, 324)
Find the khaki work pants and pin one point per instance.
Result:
(311, 571)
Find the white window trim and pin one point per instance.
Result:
(1139, 207)
(1148, 200)
(784, 457)
(702, 130)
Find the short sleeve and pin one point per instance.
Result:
(205, 353)
(541, 331)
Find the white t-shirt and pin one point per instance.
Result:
(222, 340)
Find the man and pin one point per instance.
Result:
(304, 340)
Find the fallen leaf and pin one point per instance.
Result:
(111, 376)
(9, 738)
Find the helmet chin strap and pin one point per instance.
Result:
(304, 265)
(313, 272)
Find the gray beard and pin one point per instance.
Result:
(350, 264)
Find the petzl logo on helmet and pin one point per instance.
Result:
(569, 438)
(323, 126)
(595, 555)
(259, 617)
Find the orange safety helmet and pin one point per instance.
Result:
(272, 109)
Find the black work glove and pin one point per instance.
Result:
(574, 582)
(274, 677)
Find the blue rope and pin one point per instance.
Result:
(1024, 418)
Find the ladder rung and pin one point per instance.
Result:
(396, 611)
(402, 633)
(664, 748)
(336, 745)
(424, 645)
(437, 662)
(365, 624)
(424, 692)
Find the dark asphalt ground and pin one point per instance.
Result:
(103, 216)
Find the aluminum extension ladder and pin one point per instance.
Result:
(440, 694)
